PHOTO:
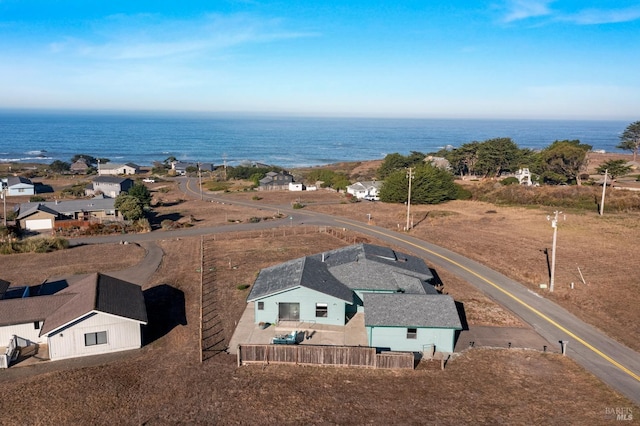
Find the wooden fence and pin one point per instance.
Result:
(337, 356)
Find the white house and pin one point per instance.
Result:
(293, 186)
(18, 185)
(118, 169)
(365, 190)
(94, 314)
(110, 186)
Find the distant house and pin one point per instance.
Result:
(18, 185)
(91, 315)
(112, 169)
(110, 186)
(180, 167)
(79, 167)
(365, 190)
(402, 309)
(275, 181)
(439, 162)
(296, 186)
(40, 216)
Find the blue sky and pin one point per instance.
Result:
(437, 59)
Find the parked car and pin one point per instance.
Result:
(148, 180)
(371, 198)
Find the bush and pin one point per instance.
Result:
(242, 286)
(34, 245)
(510, 181)
(463, 193)
(36, 199)
(254, 219)
(298, 206)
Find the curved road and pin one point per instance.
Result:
(612, 362)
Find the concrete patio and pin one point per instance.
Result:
(248, 332)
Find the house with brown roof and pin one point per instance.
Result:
(87, 315)
(48, 215)
(79, 167)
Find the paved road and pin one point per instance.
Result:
(612, 362)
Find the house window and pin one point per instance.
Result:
(322, 310)
(412, 333)
(36, 325)
(261, 306)
(92, 339)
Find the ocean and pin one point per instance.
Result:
(143, 138)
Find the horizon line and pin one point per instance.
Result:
(263, 114)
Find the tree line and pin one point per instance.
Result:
(562, 162)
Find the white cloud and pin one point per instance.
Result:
(123, 37)
(518, 10)
(598, 16)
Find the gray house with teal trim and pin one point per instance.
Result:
(393, 289)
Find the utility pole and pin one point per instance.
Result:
(604, 188)
(224, 162)
(554, 225)
(200, 178)
(410, 176)
(4, 202)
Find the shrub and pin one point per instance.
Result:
(242, 286)
(463, 193)
(36, 199)
(510, 181)
(254, 219)
(34, 245)
(298, 206)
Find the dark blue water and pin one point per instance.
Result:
(288, 142)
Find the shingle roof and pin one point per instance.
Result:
(15, 180)
(410, 310)
(36, 207)
(30, 309)
(72, 206)
(95, 292)
(370, 267)
(100, 293)
(338, 272)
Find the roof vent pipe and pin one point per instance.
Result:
(322, 257)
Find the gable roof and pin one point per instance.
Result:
(18, 180)
(97, 292)
(339, 272)
(371, 267)
(36, 207)
(92, 293)
(366, 185)
(410, 310)
(114, 166)
(30, 309)
(302, 272)
(67, 207)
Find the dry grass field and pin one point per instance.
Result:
(164, 383)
